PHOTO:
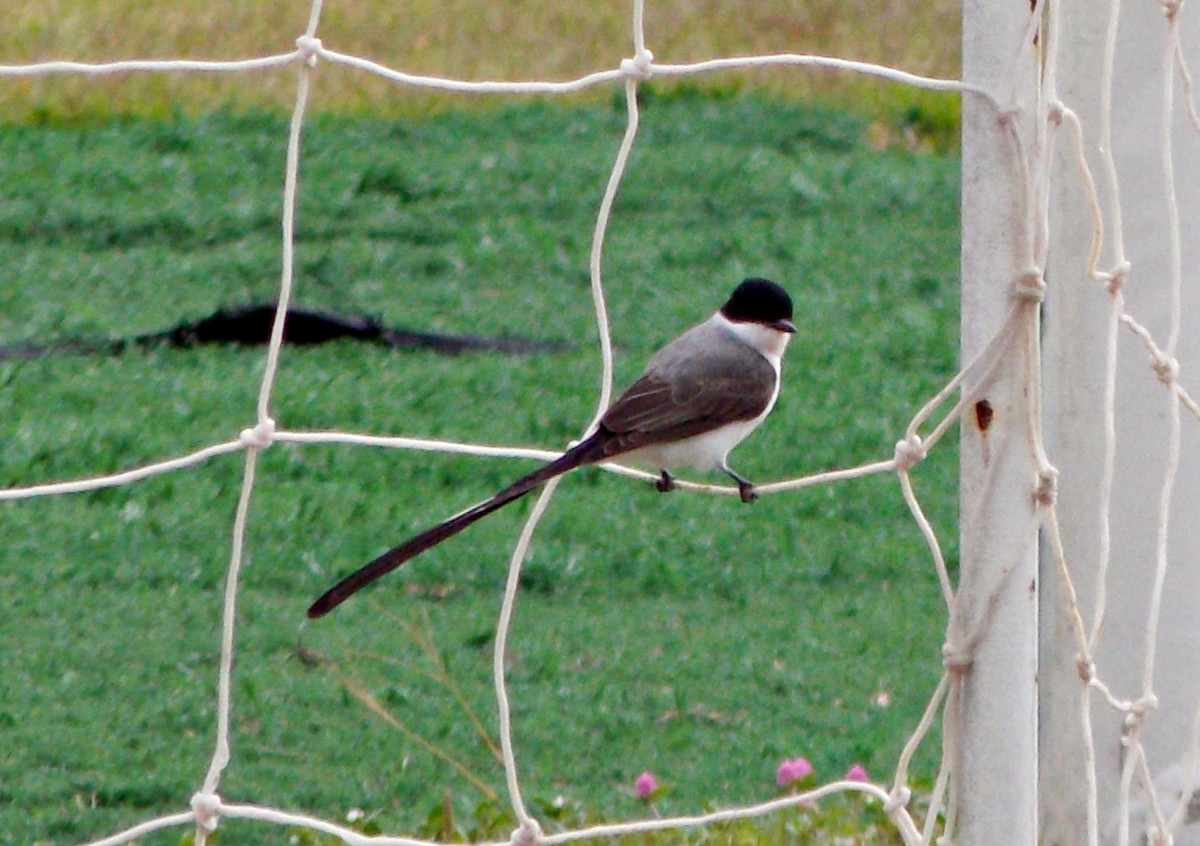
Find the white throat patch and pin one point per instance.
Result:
(770, 342)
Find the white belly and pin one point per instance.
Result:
(702, 452)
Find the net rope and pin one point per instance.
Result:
(1031, 131)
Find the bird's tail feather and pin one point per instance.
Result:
(586, 452)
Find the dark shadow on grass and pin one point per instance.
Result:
(251, 326)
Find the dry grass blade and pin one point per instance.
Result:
(310, 657)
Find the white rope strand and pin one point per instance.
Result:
(472, 87)
(606, 203)
(126, 477)
(142, 829)
(500, 653)
(729, 815)
(1174, 434)
(220, 757)
(529, 827)
(148, 65)
(799, 60)
(257, 439)
(653, 69)
(291, 177)
(931, 540)
(1117, 306)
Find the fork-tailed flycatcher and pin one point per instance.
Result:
(699, 397)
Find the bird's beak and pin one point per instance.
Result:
(784, 326)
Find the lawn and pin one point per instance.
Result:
(689, 635)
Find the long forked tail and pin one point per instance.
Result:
(586, 452)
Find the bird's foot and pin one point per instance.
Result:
(665, 483)
(746, 492)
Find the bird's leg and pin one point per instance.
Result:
(665, 483)
(745, 486)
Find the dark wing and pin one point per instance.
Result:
(679, 396)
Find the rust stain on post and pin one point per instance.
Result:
(983, 415)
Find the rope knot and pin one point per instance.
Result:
(897, 800)
(528, 834)
(1114, 280)
(955, 660)
(1170, 8)
(1055, 112)
(310, 49)
(1030, 286)
(259, 437)
(637, 67)
(207, 808)
(1086, 667)
(1138, 709)
(1166, 367)
(909, 451)
(1046, 492)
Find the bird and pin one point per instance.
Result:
(698, 398)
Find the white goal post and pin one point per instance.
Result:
(1100, 744)
(991, 640)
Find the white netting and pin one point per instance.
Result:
(1027, 121)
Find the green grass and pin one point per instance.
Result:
(688, 635)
